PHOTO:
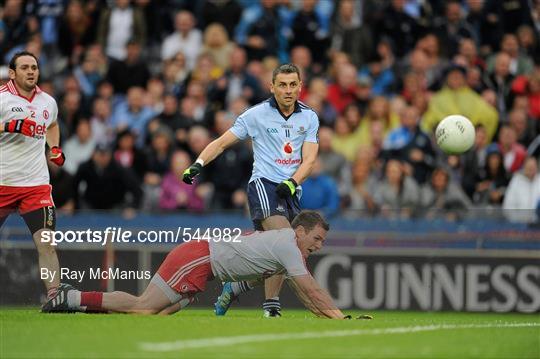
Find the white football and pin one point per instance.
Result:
(455, 134)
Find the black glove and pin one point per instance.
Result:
(363, 316)
(286, 188)
(191, 172)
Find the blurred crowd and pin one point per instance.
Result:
(143, 86)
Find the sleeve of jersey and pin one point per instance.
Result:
(54, 112)
(290, 258)
(313, 130)
(240, 128)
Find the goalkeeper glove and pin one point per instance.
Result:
(191, 172)
(57, 156)
(286, 188)
(24, 126)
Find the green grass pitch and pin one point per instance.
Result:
(193, 333)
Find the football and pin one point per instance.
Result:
(455, 134)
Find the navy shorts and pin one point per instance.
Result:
(264, 202)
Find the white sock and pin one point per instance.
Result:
(240, 287)
(74, 299)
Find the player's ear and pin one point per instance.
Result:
(11, 74)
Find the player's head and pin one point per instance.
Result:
(286, 84)
(311, 229)
(24, 70)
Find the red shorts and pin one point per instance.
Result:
(187, 267)
(24, 199)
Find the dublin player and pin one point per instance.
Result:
(27, 123)
(285, 145)
(187, 268)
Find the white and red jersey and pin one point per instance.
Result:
(22, 158)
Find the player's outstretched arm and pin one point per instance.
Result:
(214, 149)
(314, 297)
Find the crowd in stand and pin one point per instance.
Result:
(143, 86)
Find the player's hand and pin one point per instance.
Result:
(286, 188)
(363, 316)
(25, 127)
(191, 172)
(57, 156)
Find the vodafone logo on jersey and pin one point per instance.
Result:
(288, 151)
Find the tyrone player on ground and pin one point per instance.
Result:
(27, 123)
(188, 267)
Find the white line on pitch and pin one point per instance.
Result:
(243, 339)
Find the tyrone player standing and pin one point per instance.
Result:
(27, 123)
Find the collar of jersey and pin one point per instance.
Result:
(274, 104)
(11, 88)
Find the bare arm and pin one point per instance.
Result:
(216, 147)
(316, 299)
(53, 135)
(309, 155)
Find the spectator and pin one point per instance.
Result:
(411, 145)
(528, 41)
(350, 35)
(378, 112)
(491, 181)
(441, 196)
(457, 97)
(175, 194)
(130, 71)
(383, 78)
(259, 30)
(128, 156)
(399, 26)
(397, 195)
(517, 119)
(119, 24)
(79, 146)
(158, 159)
(224, 12)
(320, 192)
(363, 188)
(316, 98)
(334, 164)
(520, 63)
(513, 152)
(186, 38)
(500, 81)
(453, 28)
(523, 193)
(102, 133)
(205, 71)
(133, 114)
(217, 44)
(474, 160)
(175, 72)
(88, 75)
(529, 86)
(75, 31)
(171, 118)
(235, 83)
(106, 183)
(229, 191)
(343, 91)
(311, 28)
(155, 89)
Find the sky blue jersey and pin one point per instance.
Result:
(277, 139)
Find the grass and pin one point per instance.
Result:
(26, 333)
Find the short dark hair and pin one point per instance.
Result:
(285, 69)
(13, 61)
(309, 220)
